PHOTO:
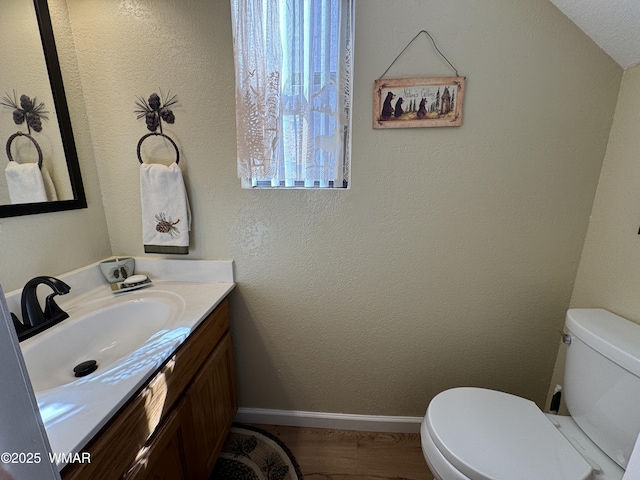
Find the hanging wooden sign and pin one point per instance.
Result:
(418, 102)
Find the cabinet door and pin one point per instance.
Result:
(213, 401)
(162, 457)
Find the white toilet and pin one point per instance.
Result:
(480, 434)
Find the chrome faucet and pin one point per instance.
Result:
(32, 313)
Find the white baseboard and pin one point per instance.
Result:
(340, 421)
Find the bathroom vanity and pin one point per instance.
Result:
(162, 400)
(174, 427)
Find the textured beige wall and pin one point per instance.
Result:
(608, 273)
(451, 260)
(54, 243)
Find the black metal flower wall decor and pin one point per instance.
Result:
(155, 110)
(28, 111)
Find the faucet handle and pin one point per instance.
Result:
(52, 310)
(17, 324)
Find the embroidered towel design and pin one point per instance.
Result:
(167, 226)
(166, 218)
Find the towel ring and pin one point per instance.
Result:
(144, 137)
(33, 140)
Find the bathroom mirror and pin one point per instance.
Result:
(30, 67)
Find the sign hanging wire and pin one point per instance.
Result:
(434, 46)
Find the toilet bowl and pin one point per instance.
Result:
(480, 434)
(471, 433)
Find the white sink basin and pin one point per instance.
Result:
(118, 332)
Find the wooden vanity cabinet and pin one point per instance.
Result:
(174, 427)
(212, 409)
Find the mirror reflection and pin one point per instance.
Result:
(37, 156)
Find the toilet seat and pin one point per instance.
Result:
(490, 435)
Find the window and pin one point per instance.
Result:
(293, 92)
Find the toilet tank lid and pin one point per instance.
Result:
(613, 336)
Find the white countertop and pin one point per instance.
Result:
(74, 413)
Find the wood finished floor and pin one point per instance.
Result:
(326, 454)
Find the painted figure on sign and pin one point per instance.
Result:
(399, 111)
(387, 109)
(422, 111)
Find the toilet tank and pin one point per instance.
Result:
(602, 379)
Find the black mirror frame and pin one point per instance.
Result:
(64, 121)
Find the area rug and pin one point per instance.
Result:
(250, 453)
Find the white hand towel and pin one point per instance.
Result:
(25, 183)
(49, 186)
(633, 467)
(166, 218)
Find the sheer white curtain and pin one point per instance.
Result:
(293, 91)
